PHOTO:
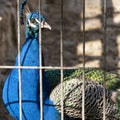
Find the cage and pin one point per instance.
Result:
(84, 37)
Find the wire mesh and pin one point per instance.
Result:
(61, 67)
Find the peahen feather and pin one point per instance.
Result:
(94, 92)
(71, 97)
(112, 80)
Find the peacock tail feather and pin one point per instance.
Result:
(112, 80)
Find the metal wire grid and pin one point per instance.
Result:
(61, 67)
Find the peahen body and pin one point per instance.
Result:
(95, 78)
(112, 80)
(72, 89)
(72, 97)
(29, 56)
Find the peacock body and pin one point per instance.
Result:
(112, 80)
(72, 99)
(29, 56)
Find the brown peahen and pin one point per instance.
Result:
(93, 100)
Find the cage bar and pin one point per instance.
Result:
(19, 64)
(104, 48)
(61, 62)
(83, 85)
(40, 62)
(52, 67)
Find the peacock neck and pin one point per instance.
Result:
(30, 57)
(30, 52)
(32, 33)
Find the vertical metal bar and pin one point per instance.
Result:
(61, 62)
(40, 62)
(83, 85)
(104, 47)
(19, 69)
(1, 27)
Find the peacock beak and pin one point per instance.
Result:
(45, 25)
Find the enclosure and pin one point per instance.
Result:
(85, 34)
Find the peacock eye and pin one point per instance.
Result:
(33, 20)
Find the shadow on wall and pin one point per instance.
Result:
(94, 35)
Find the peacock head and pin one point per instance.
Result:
(32, 20)
(32, 23)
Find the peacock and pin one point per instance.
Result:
(112, 80)
(29, 56)
(72, 98)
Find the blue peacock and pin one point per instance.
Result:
(29, 56)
